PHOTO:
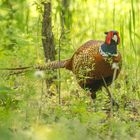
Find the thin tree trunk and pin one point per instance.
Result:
(47, 34)
(48, 41)
(64, 19)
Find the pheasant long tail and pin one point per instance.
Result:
(48, 66)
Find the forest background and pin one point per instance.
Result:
(26, 110)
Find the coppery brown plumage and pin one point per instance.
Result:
(92, 62)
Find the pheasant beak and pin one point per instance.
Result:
(115, 38)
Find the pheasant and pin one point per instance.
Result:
(93, 63)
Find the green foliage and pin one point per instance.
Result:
(28, 112)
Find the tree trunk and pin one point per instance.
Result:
(48, 42)
(47, 34)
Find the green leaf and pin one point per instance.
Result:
(5, 90)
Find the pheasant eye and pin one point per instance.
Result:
(112, 33)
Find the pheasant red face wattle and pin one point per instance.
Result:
(109, 37)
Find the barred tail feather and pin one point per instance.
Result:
(16, 69)
(53, 65)
(48, 66)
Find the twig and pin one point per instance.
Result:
(41, 99)
(59, 73)
(113, 102)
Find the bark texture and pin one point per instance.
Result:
(47, 34)
(48, 43)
